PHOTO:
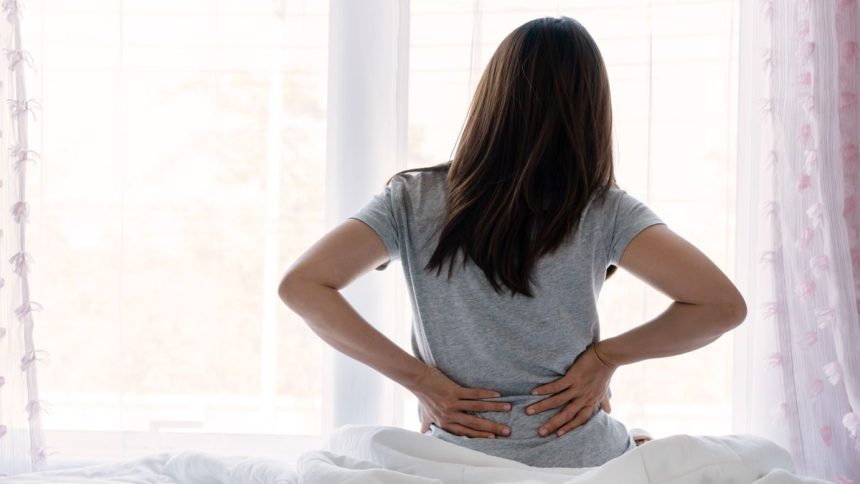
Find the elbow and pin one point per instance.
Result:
(299, 288)
(733, 312)
(287, 290)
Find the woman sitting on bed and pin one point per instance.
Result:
(525, 220)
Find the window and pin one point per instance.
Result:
(183, 166)
(198, 173)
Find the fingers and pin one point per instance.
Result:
(554, 401)
(478, 393)
(459, 429)
(479, 406)
(484, 424)
(570, 415)
(581, 417)
(551, 387)
(425, 419)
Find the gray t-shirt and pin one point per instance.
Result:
(482, 339)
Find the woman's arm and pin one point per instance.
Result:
(706, 303)
(311, 288)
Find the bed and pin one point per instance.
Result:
(383, 454)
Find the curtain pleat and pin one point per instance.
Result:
(367, 120)
(22, 439)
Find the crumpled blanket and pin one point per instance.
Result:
(186, 467)
(372, 454)
(381, 454)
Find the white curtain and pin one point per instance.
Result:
(367, 105)
(366, 142)
(22, 440)
(798, 368)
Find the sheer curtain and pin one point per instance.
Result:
(798, 358)
(22, 439)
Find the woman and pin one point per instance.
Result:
(508, 356)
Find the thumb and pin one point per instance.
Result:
(425, 422)
(604, 404)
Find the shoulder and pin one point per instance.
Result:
(617, 200)
(418, 187)
(419, 179)
(618, 211)
(608, 201)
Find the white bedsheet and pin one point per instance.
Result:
(380, 454)
(172, 468)
(375, 454)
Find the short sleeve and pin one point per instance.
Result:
(381, 215)
(631, 217)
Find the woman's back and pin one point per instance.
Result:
(483, 339)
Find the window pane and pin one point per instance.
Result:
(183, 171)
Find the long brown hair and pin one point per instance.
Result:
(535, 148)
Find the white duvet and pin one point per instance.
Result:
(381, 454)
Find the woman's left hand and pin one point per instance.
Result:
(582, 388)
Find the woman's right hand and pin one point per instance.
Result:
(445, 403)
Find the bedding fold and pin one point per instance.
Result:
(382, 454)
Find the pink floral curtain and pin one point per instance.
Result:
(803, 297)
(22, 442)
